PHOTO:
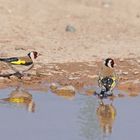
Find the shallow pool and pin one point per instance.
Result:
(50, 117)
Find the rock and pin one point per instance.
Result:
(53, 87)
(70, 28)
(2, 78)
(44, 74)
(136, 72)
(93, 76)
(106, 3)
(20, 93)
(73, 78)
(33, 72)
(56, 68)
(27, 78)
(125, 73)
(66, 92)
(121, 60)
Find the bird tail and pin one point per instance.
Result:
(8, 59)
(3, 59)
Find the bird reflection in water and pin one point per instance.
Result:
(21, 98)
(106, 114)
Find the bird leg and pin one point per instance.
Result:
(18, 74)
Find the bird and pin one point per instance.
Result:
(108, 78)
(21, 64)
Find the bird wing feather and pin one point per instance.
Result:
(17, 61)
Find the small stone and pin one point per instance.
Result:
(93, 76)
(106, 3)
(44, 74)
(27, 78)
(53, 87)
(32, 72)
(2, 78)
(70, 28)
(56, 68)
(121, 60)
(73, 78)
(20, 93)
(136, 72)
(66, 92)
(125, 73)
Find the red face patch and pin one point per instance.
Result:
(35, 54)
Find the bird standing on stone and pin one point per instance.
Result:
(107, 78)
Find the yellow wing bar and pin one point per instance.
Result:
(19, 62)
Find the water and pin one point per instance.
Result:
(52, 117)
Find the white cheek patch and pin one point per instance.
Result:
(109, 63)
(32, 56)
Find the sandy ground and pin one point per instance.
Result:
(103, 28)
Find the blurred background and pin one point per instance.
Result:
(74, 30)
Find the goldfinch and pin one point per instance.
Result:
(107, 78)
(21, 64)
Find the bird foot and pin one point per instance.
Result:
(18, 74)
(104, 94)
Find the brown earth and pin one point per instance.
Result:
(103, 28)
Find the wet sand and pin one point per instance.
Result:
(103, 29)
(78, 75)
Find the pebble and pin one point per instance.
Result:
(53, 86)
(2, 78)
(73, 78)
(106, 3)
(93, 76)
(136, 72)
(56, 68)
(27, 78)
(125, 73)
(66, 89)
(70, 28)
(20, 93)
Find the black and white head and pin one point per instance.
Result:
(109, 62)
(33, 55)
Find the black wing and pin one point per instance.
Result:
(9, 59)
